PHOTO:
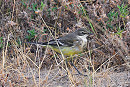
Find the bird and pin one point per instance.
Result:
(70, 44)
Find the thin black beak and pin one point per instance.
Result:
(91, 34)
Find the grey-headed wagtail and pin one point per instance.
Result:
(71, 44)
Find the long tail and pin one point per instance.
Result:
(39, 43)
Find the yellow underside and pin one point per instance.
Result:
(68, 51)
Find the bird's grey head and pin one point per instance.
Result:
(83, 35)
(82, 32)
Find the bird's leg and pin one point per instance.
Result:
(68, 72)
(72, 64)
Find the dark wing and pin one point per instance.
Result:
(67, 40)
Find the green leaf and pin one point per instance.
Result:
(1, 42)
(34, 6)
(30, 8)
(42, 5)
(54, 8)
(125, 6)
(118, 6)
(23, 2)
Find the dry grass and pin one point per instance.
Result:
(105, 60)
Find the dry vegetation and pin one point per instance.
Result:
(105, 60)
